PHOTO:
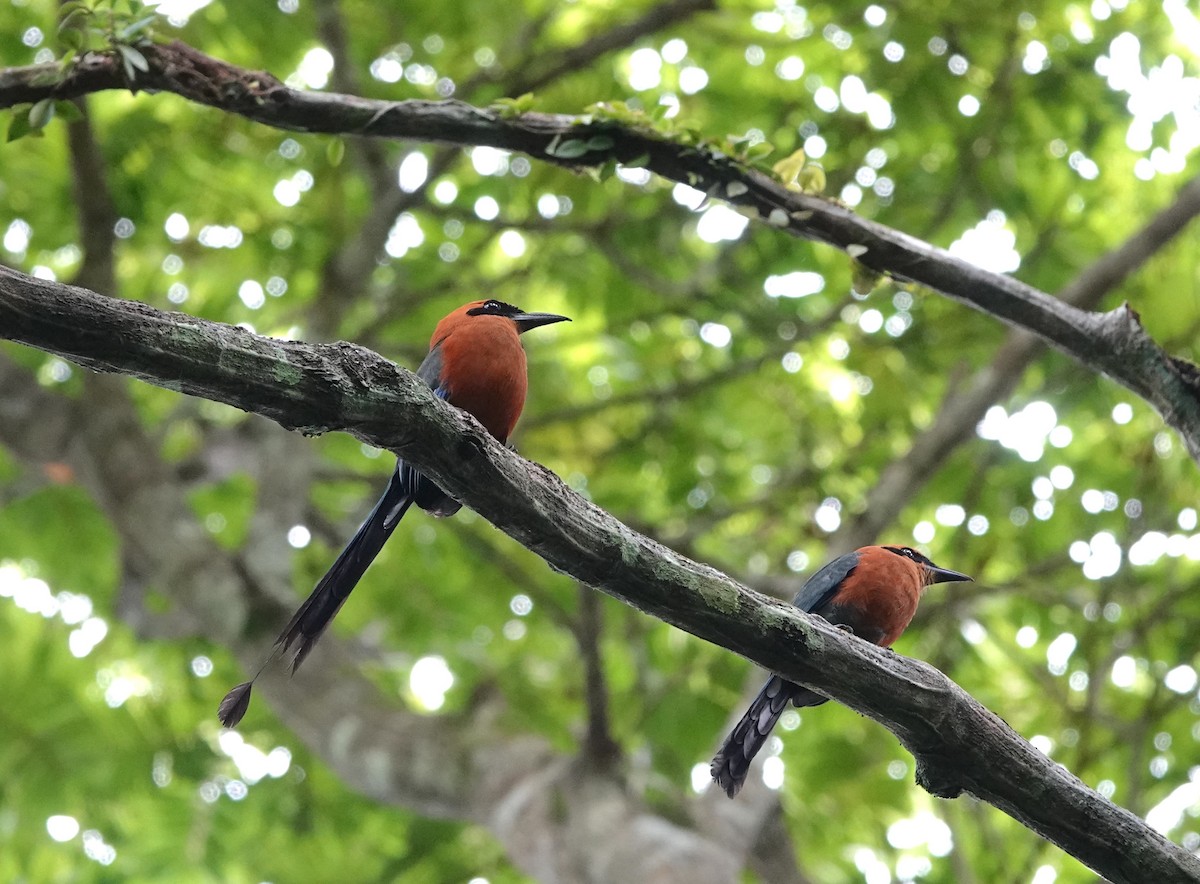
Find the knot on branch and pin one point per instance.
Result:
(1122, 328)
(470, 447)
(938, 778)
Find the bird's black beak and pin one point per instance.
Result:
(526, 321)
(945, 575)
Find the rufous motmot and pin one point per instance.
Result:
(475, 362)
(872, 592)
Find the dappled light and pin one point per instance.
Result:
(314, 69)
(797, 284)
(989, 244)
(1026, 431)
(252, 763)
(719, 223)
(771, 362)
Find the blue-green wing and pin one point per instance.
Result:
(417, 486)
(822, 585)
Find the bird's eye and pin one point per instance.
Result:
(908, 551)
(492, 307)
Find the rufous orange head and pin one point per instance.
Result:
(491, 310)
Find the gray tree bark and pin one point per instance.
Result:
(958, 744)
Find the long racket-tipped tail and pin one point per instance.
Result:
(311, 619)
(314, 616)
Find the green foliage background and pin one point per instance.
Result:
(672, 400)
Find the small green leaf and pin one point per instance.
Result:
(335, 151)
(788, 169)
(68, 12)
(812, 179)
(72, 38)
(571, 149)
(139, 60)
(137, 27)
(758, 151)
(600, 142)
(508, 108)
(863, 278)
(617, 111)
(133, 58)
(73, 21)
(604, 172)
(41, 113)
(19, 127)
(68, 110)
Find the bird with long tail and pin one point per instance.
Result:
(871, 592)
(475, 362)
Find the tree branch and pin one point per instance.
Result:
(466, 766)
(599, 746)
(573, 58)
(958, 744)
(966, 404)
(1112, 343)
(94, 207)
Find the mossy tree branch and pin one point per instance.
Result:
(1113, 343)
(958, 744)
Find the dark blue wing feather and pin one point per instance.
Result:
(822, 585)
(732, 764)
(430, 370)
(424, 493)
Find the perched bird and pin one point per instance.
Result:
(872, 592)
(476, 363)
